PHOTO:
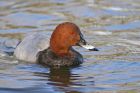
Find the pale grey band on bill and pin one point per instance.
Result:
(89, 47)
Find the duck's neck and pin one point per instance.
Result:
(62, 52)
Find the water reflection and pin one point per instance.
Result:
(61, 79)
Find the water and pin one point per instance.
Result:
(111, 25)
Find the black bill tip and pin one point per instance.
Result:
(94, 49)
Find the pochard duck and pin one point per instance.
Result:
(55, 50)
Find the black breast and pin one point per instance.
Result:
(48, 58)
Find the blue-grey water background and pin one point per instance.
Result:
(111, 25)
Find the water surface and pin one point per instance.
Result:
(111, 25)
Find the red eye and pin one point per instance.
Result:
(72, 32)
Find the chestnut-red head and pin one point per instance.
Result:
(64, 36)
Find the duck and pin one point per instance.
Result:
(55, 50)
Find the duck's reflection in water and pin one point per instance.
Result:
(60, 77)
(61, 80)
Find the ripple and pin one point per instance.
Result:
(128, 26)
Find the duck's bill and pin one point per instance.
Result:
(89, 47)
(85, 45)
